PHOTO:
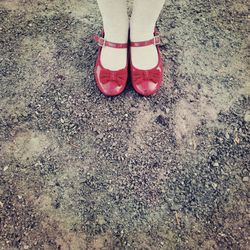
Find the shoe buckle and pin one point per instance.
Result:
(101, 42)
(157, 39)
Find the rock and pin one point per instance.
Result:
(176, 207)
(247, 116)
(162, 120)
(215, 164)
(245, 179)
(100, 220)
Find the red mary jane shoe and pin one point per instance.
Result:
(109, 82)
(147, 82)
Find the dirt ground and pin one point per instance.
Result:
(82, 171)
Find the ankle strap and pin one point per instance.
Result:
(154, 41)
(102, 42)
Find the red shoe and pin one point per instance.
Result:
(109, 82)
(147, 82)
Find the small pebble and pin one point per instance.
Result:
(247, 116)
(245, 179)
(215, 164)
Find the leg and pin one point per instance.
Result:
(115, 22)
(142, 24)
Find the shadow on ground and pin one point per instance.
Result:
(82, 171)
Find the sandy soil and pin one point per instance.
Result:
(82, 171)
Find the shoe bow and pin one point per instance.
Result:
(119, 76)
(153, 75)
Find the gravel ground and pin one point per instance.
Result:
(82, 171)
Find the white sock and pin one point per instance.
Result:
(116, 24)
(142, 24)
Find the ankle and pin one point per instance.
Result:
(140, 32)
(117, 34)
(138, 36)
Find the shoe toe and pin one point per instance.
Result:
(111, 88)
(147, 88)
